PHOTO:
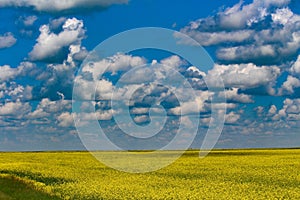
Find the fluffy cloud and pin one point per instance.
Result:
(233, 95)
(61, 6)
(141, 119)
(113, 64)
(173, 61)
(231, 118)
(8, 73)
(65, 119)
(263, 32)
(244, 76)
(289, 85)
(92, 76)
(272, 110)
(296, 66)
(21, 92)
(195, 105)
(50, 79)
(214, 38)
(247, 53)
(240, 16)
(51, 112)
(53, 47)
(54, 106)
(290, 112)
(17, 109)
(7, 40)
(28, 21)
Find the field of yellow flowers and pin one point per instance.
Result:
(223, 174)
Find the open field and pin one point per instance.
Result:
(223, 174)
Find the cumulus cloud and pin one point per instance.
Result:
(65, 119)
(53, 47)
(8, 73)
(272, 110)
(290, 112)
(54, 106)
(195, 105)
(263, 32)
(295, 69)
(113, 64)
(7, 40)
(289, 85)
(215, 38)
(231, 118)
(61, 6)
(29, 20)
(244, 76)
(51, 112)
(17, 109)
(141, 119)
(54, 77)
(173, 61)
(240, 16)
(233, 95)
(92, 76)
(20, 92)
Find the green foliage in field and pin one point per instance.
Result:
(230, 174)
(14, 188)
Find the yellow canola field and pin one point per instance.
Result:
(223, 174)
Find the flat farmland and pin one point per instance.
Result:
(223, 174)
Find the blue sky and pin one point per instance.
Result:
(255, 45)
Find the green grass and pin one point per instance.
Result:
(223, 174)
(12, 188)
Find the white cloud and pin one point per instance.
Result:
(141, 119)
(113, 64)
(29, 20)
(83, 118)
(49, 44)
(139, 110)
(54, 106)
(289, 85)
(195, 105)
(38, 113)
(172, 61)
(61, 5)
(290, 111)
(240, 16)
(233, 95)
(292, 106)
(208, 38)
(7, 40)
(17, 109)
(246, 52)
(245, 32)
(244, 75)
(65, 119)
(284, 16)
(8, 73)
(232, 118)
(90, 81)
(296, 66)
(56, 23)
(259, 110)
(19, 92)
(193, 71)
(272, 110)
